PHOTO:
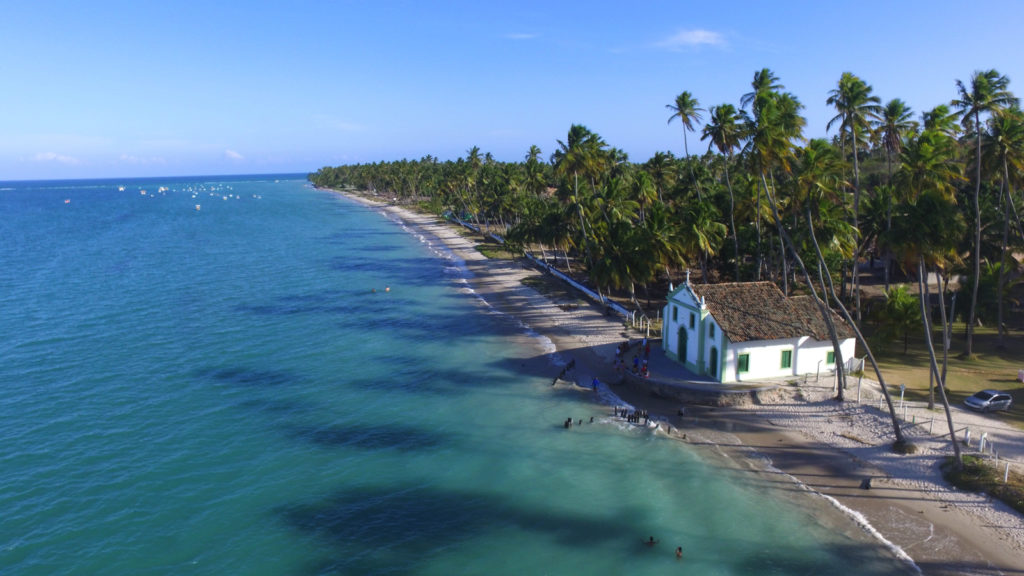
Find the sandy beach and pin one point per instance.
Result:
(806, 439)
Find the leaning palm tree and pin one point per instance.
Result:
(725, 129)
(856, 109)
(818, 183)
(930, 227)
(986, 93)
(926, 231)
(688, 110)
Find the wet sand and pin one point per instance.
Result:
(944, 531)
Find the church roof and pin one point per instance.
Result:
(748, 311)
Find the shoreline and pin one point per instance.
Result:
(825, 447)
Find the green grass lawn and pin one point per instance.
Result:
(991, 367)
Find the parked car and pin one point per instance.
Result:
(989, 400)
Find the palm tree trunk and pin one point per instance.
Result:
(935, 366)
(1002, 254)
(888, 218)
(856, 226)
(969, 349)
(686, 150)
(778, 225)
(927, 297)
(757, 224)
(940, 287)
(897, 431)
(732, 217)
(823, 306)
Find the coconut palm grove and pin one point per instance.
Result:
(903, 195)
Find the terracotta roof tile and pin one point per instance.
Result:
(759, 311)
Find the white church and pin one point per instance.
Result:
(749, 331)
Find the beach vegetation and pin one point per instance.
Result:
(900, 315)
(985, 475)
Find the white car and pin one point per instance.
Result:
(989, 400)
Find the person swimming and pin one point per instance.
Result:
(651, 541)
(679, 551)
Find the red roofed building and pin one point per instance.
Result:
(749, 331)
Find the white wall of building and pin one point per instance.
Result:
(765, 358)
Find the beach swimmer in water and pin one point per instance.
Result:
(651, 541)
(679, 551)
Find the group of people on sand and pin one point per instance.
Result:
(639, 365)
(651, 542)
(632, 417)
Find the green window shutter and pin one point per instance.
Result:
(692, 318)
(787, 358)
(675, 313)
(743, 363)
(831, 357)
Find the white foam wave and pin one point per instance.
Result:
(859, 519)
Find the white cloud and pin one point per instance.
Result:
(132, 159)
(520, 36)
(54, 157)
(233, 155)
(691, 39)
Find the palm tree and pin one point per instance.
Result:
(986, 94)
(702, 233)
(688, 110)
(896, 124)
(900, 315)
(1004, 147)
(818, 182)
(764, 82)
(941, 119)
(928, 229)
(661, 169)
(535, 181)
(765, 86)
(856, 109)
(661, 237)
(772, 131)
(582, 153)
(725, 129)
(644, 193)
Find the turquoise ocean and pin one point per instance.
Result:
(207, 376)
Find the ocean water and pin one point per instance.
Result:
(250, 376)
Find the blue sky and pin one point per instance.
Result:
(140, 88)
